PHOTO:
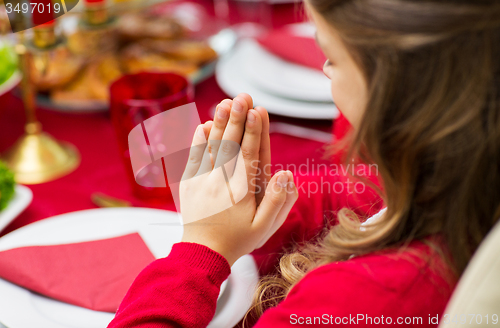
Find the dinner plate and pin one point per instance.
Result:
(21, 308)
(22, 198)
(231, 78)
(303, 29)
(282, 78)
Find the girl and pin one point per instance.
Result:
(420, 83)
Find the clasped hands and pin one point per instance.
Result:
(260, 201)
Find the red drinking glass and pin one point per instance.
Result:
(137, 97)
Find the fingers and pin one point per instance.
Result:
(243, 95)
(237, 118)
(195, 153)
(247, 163)
(233, 133)
(224, 101)
(207, 126)
(233, 111)
(264, 154)
(205, 165)
(220, 121)
(291, 197)
(272, 203)
(248, 99)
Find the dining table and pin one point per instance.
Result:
(102, 169)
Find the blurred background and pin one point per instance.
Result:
(75, 79)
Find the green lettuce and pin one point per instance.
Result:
(8, 61)
(7, 185)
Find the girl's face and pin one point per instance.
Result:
(348, 85)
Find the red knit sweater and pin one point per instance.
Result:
(389, 287)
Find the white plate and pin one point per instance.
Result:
(304, 29)
(282, 78)
(232, 80)
(20, 308)
(22, 198)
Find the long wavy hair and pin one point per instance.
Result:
(432, 125)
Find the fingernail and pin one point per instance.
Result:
(237, 107)
(200, 132)
(222, 113)
(282, 180)
(250, 117)
(290, 186)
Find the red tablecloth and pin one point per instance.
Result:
(102, 169)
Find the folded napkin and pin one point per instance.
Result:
(294, 48)
(95, 274)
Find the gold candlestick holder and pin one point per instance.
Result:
(37, 157)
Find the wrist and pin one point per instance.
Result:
(201, 257)
(215, 247)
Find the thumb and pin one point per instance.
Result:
(273, 201)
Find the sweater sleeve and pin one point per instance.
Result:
(310, 302)
(377, 292)
(180, 290)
